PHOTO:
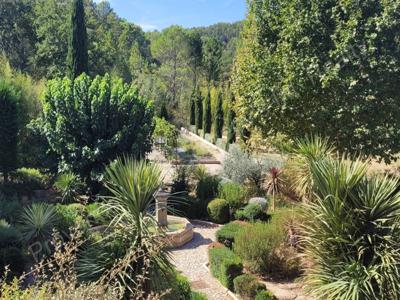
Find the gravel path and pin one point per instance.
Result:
(191, 258)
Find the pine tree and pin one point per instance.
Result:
(192, 119)
(199, 110)
(218, 118)
(8, 128)
(207, 121)
(77, 59)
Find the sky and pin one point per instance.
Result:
(159, 14)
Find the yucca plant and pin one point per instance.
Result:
(133, 186)
(69, 185)
(302, 154)
(37, 224)
(352, 233)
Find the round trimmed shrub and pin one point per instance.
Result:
(218, 211)
(248, 286)
(265, 295)
(251, 212)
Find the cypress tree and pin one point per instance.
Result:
(207, 114)
(192, 119)
(77, 59)
(164, 112)
(8, 128)
(231, 134)
(199, 110)
(218, 118)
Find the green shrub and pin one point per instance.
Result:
(263, 248)
(31, 179)
(248, 286)
(234, 193)
(69, 185)
(251, 212)
(9, 236)
(180, 182)
(180, 288)
(265, 295)
(96, 215)
(14, 259)
(10, 208)
(227, 233)
(225, 265)
(218, 211)
(206, 189)
(72, 215)
(198, 296)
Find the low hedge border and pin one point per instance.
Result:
(225, 265)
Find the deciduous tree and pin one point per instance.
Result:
(90, 122)
(322, 67)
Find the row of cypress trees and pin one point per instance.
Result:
(202, 118)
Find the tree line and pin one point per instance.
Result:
(87, 84)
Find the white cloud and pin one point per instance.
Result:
(147, 26)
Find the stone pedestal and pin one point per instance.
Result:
(161, 208)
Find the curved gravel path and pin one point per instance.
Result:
(191, 258)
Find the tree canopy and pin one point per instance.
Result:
(322, 67)
(90, 122)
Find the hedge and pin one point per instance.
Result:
(225, 265)
(227, 233)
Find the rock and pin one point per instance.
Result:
(259, 200)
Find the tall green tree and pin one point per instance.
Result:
(218, 117)
(192, 107)
(50, 22)
(106, 119)
(77, 46)
(207, 120)
(170, 49)
(231, 133)
(323, 67)
(17, 35)
(8, 128)
(195, 54)
(199, 110)
(212, 52)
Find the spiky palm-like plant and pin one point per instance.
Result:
(133, 186)
(37, 224)
(274, 184)
(352, 233)
(303, 153)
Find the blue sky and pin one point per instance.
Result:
(159, 14)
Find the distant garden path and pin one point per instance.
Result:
(191, 258)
